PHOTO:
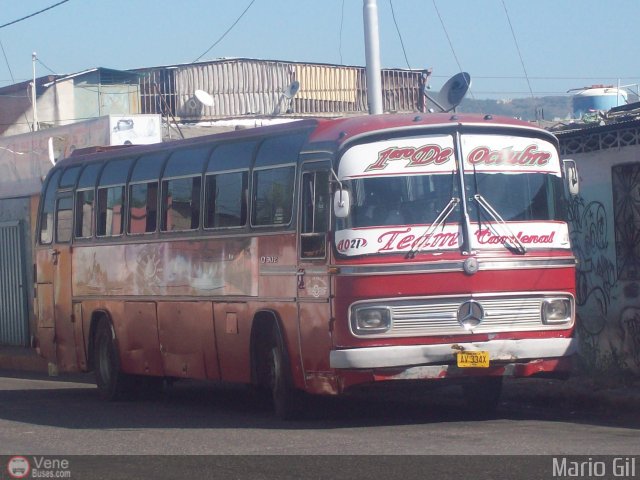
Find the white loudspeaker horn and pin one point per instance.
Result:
(204, 98)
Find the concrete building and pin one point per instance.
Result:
(95, 107)
(605, 222)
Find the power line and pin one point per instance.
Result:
(7, 62)
(517, 48)
(34, 14)
(450, 43)
(47, 68)
(393, 14)
(225, 33)
(13, 80)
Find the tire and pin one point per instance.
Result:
(482, 394)
(287, 400)
(111, 382)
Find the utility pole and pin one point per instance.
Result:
(33, 93)
(372, 52)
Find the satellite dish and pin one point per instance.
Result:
(204, 98)
(452, 92)
(292, 89)
(287, 93)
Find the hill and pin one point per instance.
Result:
(549, 108)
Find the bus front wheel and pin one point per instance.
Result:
(112, 383)
(287, 400)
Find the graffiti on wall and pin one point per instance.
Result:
(626, 205)
(595, 272)
(595, 278)
(607, 276)
(630, 328)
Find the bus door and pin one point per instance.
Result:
(313, 285)
(57, 324)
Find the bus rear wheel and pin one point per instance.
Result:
(112, 383)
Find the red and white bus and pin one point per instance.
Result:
(316, 256)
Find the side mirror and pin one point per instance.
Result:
(571, 176)
(341, 203)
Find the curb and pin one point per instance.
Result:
(579, 392)
(22, 359)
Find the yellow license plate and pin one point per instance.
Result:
(473, 359)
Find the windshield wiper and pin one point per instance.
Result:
(440, 220)
(516, 246)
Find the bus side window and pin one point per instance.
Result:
(46, 214)
(85, 203)
(110, 205)
(181, 187)
(64, 219)
(110, 217)
(315, 214)
(226, 197)
(143, 207)
(273, 196)
(181, 204)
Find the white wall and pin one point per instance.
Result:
(608, 307)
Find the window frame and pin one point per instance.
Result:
(254, 192)
(157, 210)
(162, 224)
(122, 214)
(314, 168)
(50, 190)
(77, 211)
(245, 199)
(62, 196)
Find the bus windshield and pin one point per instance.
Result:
(516, 197)
(385, 201)
(402, 190)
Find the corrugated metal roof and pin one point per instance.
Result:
(101, 70)
(245, 86)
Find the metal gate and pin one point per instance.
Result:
(14, 319)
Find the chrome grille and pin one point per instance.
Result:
(438, 316)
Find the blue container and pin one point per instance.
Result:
(597, 98)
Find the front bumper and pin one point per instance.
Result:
(510, 351)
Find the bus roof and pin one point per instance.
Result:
(327, 131)
(343, 129)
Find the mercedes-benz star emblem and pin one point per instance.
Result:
(470, 314)
(470, 265)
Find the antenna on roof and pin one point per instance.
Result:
(167, 110)
(452, 92)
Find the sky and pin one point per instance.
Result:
(511, 48)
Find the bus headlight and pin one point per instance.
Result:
(556, 310)
(370, 320)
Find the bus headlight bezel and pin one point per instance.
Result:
(370, 319)
(555, 311)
